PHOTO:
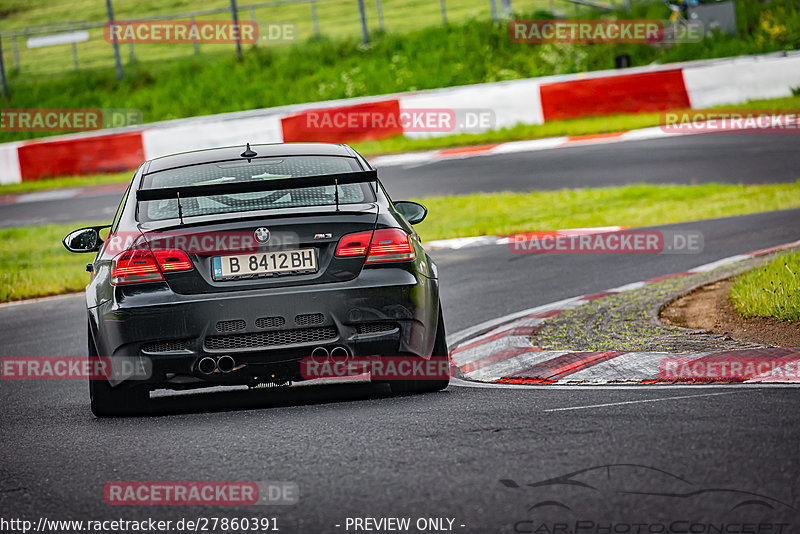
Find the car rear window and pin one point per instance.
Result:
(255, 170)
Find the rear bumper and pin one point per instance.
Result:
(386, 311)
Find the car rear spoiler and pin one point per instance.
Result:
(254, 186)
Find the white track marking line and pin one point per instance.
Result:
(638, 401)
(719, 263)
(57, 194)
(461, 383)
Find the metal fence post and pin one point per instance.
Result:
(379, 8)
(444, 11)
(131, 53)
(194, 40)
(363, 15)
(114, 43)
(506, 7)
(75, 55)
(253, 20)
(16, 53)
(235, 15)
(314, 18)
(494, 9)
(3, 86)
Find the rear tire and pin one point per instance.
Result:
(440, 352)
(107, 401)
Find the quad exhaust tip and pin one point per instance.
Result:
(339, 352)
(335, 352)
(206, 365)
(320, 352)
(225, 364)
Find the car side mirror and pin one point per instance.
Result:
(414, 212)
(84, 239)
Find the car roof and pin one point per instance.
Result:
(234, 152)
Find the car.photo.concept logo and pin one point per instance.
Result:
(630, 498)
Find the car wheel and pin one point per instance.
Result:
(107, 401)
(440, 352)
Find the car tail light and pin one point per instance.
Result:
(142, 265)
(380, 246)
(353, 245)
(390, 244)
(172, 261)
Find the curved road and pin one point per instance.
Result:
(737, 157)
(356, 452)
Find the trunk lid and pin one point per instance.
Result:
(210, 242)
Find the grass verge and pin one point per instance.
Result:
(632, 205)
(583, 126)
(772, 290)
(337, 19)
(33, 262)
(66, 182)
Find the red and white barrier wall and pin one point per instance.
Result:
(698, 85)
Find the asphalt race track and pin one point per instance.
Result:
(737, 157)
(354, 451)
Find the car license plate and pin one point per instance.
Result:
(304, 259)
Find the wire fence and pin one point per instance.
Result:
(58, 47)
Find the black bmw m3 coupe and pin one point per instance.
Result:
(232, 266)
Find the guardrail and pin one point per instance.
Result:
(696, 84)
